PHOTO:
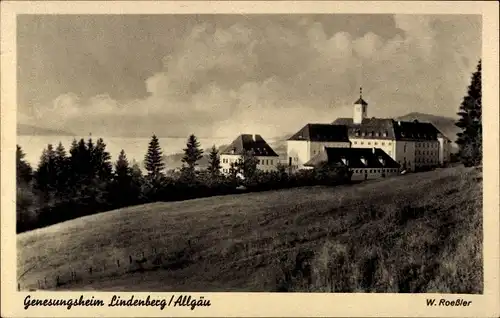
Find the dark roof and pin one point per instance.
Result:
(375, 128)
(414, 130)
(247, 142)
(360, 101)
(375, 158)
(322, 132)
(384, 128)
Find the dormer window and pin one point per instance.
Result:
(344, 160)
(357, 133)
(381, 160)
(385, 133)
(363, 160)
(363, 134)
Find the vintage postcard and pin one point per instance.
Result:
(207, 158)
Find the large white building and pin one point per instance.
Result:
(413, 145)
(266, 156)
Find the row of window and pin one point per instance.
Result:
(374, 170)
(265, 162)
(425, 152)
(426, 145)
(260, 162)
(375, 143)
(372, 133)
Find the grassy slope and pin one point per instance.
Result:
(245, 242)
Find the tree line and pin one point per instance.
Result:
(82, 181)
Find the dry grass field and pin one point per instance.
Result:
(420, 232)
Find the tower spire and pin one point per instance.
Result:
(361, 92)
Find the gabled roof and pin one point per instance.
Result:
(415, 130)
(375, 158)
(384, 128)
(360, 101)
(370, 128)
(247, 142)
(322, 132)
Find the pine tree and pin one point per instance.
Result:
(122, 170)
(192, 153)
(121, 185)
(247, 164)
(469, 139)
(214, 162)
(61, 169)
(45, 176)
(153, 161)
(23, 169)
(102, 161)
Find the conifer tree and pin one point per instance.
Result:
(121, 185)
(247, 164)
(102, 161)
(45, 175)
(192, 153)
(23, 169)
(61, 168)
(214, 162)
(469, 139)
(153, 161)
(122, 170)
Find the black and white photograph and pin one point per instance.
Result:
(236, 152)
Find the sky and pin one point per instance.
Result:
(223, 75)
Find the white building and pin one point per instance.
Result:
(311, 140)
(266, 156)
(413, 145)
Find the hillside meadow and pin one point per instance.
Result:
(420, 232)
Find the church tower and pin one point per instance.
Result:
(360, 107)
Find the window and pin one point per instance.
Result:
(362, 143)
(375, 143)
(383, 144)
(258, 161)
(355, 142)
(369, 143)
(271, 161)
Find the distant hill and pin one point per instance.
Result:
(445, 124)
(30, 130)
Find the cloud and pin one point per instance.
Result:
(274, 78)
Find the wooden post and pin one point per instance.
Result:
(39, 285)
(142, 254)
(45, 280)
(90, 270)
(118, 262)
(130, 259)
(57, 280)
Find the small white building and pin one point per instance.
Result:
(267, 158)
(311, 140)
(364, 163)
